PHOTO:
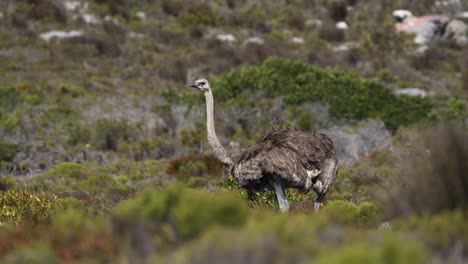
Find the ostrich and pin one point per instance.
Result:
(280, 160)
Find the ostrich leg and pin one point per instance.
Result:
(318, 201)
(282, 201)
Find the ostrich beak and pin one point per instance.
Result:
(193, 86)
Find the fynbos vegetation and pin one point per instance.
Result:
(104, 156)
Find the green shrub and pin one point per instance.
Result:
(81, 181)
(150, 204)
(389, 251)
(123, 179)
(197, 210)
(305, 121)
(199, 15)
(10, 98)
(109, 133)
(349, 96)
(273, 238)
(191, 210)
(74, 222)
(365, 214)
(74, 92)
(37, 253)
(455, 108)
(78, 133)
(443, 229)
(191, 137)
(8, 151)
(194, 182)
(16, 206)
(69, 169)
(341, 211)
(137, 171)
(9, 121)
(70, 203)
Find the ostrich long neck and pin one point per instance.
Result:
(218, 150)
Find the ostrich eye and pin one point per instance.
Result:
(201, 83)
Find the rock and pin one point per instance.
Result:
(385, 226)
(353, 142)
(401, 15)
(135, 35)
(344, 47)
(226, 38)
(411, 91)
(457, 30)
(462, 15)
(341, 25)
(253, 40)
(90, 18)
(141, 15)
(297, 40)
(313, 23)
(47, 36)
(71, 5)
(421, 50)
(111, 19)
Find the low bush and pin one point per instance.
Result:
(17, 206)
(8, 151)
(82, 181)
(442, 230)
(390, 250)
(108, 133)
(454, 109)
(10, 98)
(192, 211)
(199, 15)
(349, 96)
(198, 210)
(36, 253)
(267, 237)
(365, 214)
(74, 222)
(69, 170)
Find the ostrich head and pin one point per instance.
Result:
(201, 84)
(402, 15)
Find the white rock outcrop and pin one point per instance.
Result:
(47, 36)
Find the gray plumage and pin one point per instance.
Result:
(280, 160)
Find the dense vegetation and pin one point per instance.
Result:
(103, 153)
(348, 95)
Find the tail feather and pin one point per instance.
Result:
(328, 176)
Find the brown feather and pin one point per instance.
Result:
(287, 154)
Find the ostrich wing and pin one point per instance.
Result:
(288, 154)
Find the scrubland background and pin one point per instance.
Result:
(103, 151)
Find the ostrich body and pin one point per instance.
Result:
(280, 160)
